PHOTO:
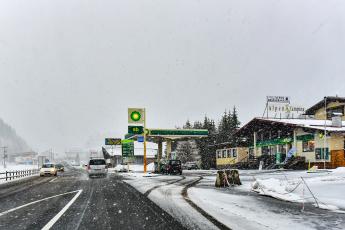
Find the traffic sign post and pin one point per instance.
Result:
(138, 116)
(127, 148)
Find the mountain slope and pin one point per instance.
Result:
(9, 138)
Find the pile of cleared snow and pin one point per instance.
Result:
(326, 188)
(276, 188)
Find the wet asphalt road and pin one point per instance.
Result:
(104, 203)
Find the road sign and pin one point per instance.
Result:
(135, 129)
(112, 141)
(136, 115)
(127, 148)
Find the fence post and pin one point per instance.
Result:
(6, 175)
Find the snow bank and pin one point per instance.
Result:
(14, 167)
(326, 188)
(276, 188)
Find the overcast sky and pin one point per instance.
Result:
(69, 69)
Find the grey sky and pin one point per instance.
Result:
(69, 69)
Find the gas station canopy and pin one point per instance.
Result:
(172, 134)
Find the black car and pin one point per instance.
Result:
(173, 167)
(191, 165)
(60, 167)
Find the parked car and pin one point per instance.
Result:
(97, 167)
(191, 165)
(123, 167)
(48, 169)
(172, 167)
(60, 167)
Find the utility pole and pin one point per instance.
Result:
(325, 135)
(145, 161)
(4, 156)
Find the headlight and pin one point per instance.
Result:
(41, 170)
(52, 169)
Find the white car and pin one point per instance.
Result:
(48, 169)
(97, 167)
(121, 167)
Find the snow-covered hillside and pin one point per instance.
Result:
(9, 138)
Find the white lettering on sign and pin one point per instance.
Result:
(278, 99)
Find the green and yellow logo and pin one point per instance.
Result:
(135, 116)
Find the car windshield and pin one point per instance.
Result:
(97, 162)
(48, 166)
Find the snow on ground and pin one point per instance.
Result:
(14, 167)
(165, 191)
(241, 208)
(240, 212)
(327, 188)
(134, 168)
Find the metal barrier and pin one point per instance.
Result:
(11, 175)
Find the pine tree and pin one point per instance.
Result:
(187, 125)
(184, 151)
(221, 133)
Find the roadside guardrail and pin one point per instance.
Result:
(14, 174)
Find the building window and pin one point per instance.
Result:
(273, 150)
(265, 150)
(337, 109)
(319, 153)
(219, 154)
(224, 153)
(282, 149)
(229, 152)
(251, 152)
(308, 146)
(234, 152)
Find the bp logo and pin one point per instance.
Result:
(135, 116)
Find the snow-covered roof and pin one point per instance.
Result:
(309, 123)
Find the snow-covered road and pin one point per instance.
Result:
(166, 191)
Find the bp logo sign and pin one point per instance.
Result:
(136, 115)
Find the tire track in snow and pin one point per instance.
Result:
(214, 221)
(147, 193)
